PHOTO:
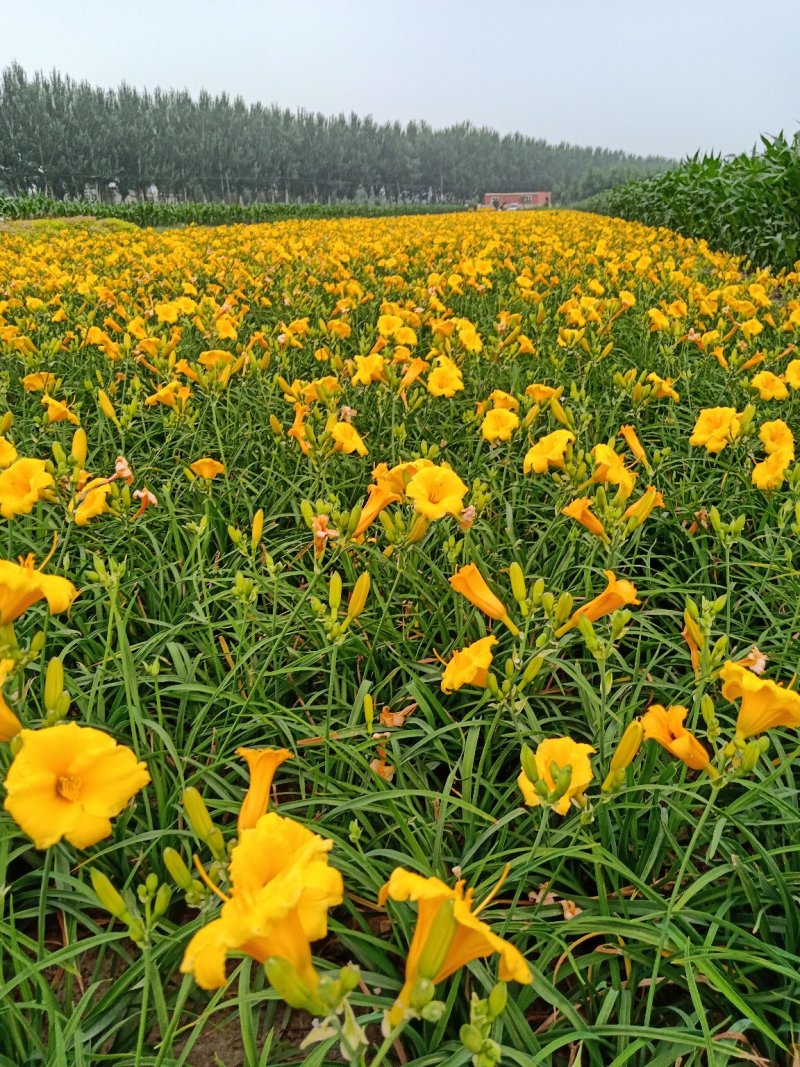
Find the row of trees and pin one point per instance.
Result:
(59, 136)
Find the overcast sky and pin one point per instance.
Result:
(664, 77)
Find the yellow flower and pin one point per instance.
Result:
(765, 704)
(618, 593)
(281, 890)
(792, 373)
(665, 725)
(207, 468)
(347, 439)
(548, 451)
(10, 725)
(634, 444)
(499, 424)
(469, 666)
(91, 501)
(715, 428)
(470, 583)
(437, 491)
(7, 453)
(22, 486)
(771, 472)
(369, 369)
(662, 387)
(21, 586)
(262, 763)
(171, 395)
(561, 752)
(581, 511)
(69, 781)
(641, 508)
(540, 393)
(776, 436)
(57, 411)
(610, 468)
(501, 399)
(39, 381)
(448, 935)
(445, 378)
(658, 320)
(769, 385)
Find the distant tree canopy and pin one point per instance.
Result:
(58, 136)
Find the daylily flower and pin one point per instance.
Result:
(282, 888)
(347, 439)
(10, 725)
(641, 509)
(776, 436)
(437, 491)
(581, 510)
(769, 385)
(470, 583)
(448, 935)
(369, 369)
(69, 781)
(665, 725)
(663, 387)
(499, 424)
(445, 378)
(556, 753)
(618, 593)
(57, 411)
(207, 468)
(539, 393)
(469, 666)
(21, 586)
(262, 763)
(22, 486)
(91, 501)
(770, 474)
(765, 704)
(146, 500)
(715, 428)
(548, 451)
(39, 381)
(634, 444)
(7, 453)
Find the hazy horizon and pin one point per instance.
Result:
(649, 82)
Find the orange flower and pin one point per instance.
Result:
(765, 704)
(206, 468)
(262, 763)
(617, 594)
(581, 510)
(470, 583)
(665, 725)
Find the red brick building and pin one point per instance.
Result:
(517, 200)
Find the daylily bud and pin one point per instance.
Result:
(53, 684)
(79, 447)
(471, 1038)
(106, 406)
(200, 822)
(498, 998)
(517, 581)
(625, 754)
(179, 872)
(369, 711)
(358, 598)
(108, 896)
(288, 984)
(257, 529)
(335, 593)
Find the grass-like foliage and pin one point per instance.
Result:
(476, 372)
(147, 213)
(748, 204)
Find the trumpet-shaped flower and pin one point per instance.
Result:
(262, 764)
(765, 704)
(347, 439)
(282, 888)
(69, 781)
(21, 585)
(776, 436)
(498, 425)
(437, 491)
(445, 378)
(448, 935)
(665, 725)
(91, 501)
(548, 451)
(57, 411)
(470, 583)
(618, 593)
(10, 725)
(581, 511)
(469, 666)
(769, 385)
(22, 485)
(552, 756)
(715, 428)
(207, 468)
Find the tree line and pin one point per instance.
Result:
(60, 137)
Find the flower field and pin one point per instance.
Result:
(397, 646)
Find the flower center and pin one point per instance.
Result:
(69, 788)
